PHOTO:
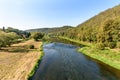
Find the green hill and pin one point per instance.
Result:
(50, 30)
(99, 19)
(102, 28)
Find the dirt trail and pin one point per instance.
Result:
(17, 65)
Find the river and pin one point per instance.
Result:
(63, 62)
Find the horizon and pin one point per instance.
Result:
(32, 14)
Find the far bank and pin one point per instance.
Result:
(108, 56)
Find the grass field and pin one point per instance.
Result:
(17, 61)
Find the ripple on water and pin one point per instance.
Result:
(63, 62)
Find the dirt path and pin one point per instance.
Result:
(17, 61)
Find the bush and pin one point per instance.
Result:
(106, 44)
(6, 39)
(37, 36)
(118, 45)
(100, 46)
(31, 47)
(44, 39)
(112, 45)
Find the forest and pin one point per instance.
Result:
(103, 29)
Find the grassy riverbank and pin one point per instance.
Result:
(36, 64)
(107, 56)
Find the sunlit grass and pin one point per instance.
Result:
(107, 56)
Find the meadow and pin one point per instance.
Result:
(17, 61)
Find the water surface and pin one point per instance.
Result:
(63, 62)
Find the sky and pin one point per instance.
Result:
(30, 14)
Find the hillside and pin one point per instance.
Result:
(99, 19)
(101, 35)
(102, 28)
(50, 30)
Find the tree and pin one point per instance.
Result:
(23, 34)
(3, 28)
(6, 39)
(37, 36)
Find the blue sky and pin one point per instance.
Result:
(29, 14)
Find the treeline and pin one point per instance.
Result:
(6, 39)
(50, 30)
(103, 29)
(22, 34)
(11, 35)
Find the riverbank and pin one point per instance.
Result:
(32, 72)
(108, 56)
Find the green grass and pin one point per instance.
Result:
(37, 64)
(107, 56)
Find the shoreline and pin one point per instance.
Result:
(32, 72)
(101, 55)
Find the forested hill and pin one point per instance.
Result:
(50, 30)
(99, 19)
(102, 28)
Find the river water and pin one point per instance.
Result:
(63, 62)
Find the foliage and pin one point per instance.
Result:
(37, 35)
(31, 47)
(22, 34)
(50, 30)
(6, 39)
(112, 45)
(102, 28)
(100, 46)
(118, 45)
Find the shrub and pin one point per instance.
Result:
(100, 46)
(118, 45)
(31, 47)
(106, 44)
(44, 39)
(112, 45)
(37, 36)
